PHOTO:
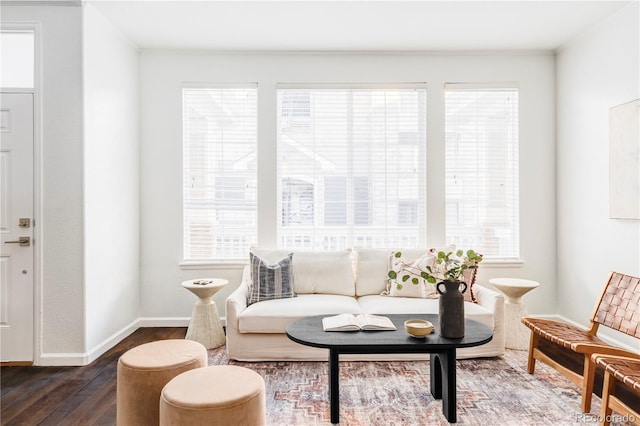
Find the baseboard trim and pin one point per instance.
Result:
(63, 360)
(164, 322)
(112, 340)
(80, 359)
(170, 322)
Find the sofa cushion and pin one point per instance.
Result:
(372, 268)
(270, 280)
(273, 316)
(318, 272)
(401, 305)
(414, 285)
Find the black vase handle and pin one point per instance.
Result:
(462, 283)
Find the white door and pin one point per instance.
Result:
(16, 227)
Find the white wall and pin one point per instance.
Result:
(595, 72)
(88, 172)
(163, 72)
(59, 288)
(111, 182)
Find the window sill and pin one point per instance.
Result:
(502, 263)
(212, 264)
(240, 264)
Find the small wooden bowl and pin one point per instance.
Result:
(418, 327)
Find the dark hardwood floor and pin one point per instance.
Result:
(70, 395)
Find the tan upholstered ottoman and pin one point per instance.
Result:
(144, 370)
(220, 395)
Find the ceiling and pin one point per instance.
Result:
(354, 25)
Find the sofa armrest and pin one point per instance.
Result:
(235, 304)
(489, 299)
(494, 302)
(237, 301)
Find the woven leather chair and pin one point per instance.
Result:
(618, 308)
(625, 370)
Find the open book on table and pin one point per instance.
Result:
(350, 322)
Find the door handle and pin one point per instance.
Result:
(22, 241)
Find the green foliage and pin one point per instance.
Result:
(449, 266)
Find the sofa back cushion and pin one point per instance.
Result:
(372, 268)
(317, 271)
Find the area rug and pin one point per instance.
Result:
(493, 391)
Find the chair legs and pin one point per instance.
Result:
(588, 379)
(619, 370)
(533, 345)
(586, 382)
(607, 390)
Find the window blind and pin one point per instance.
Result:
(219, 172)
(351, 166)
(481, 154)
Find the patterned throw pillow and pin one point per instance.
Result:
(469, 276)
(270, 280)
(415, 285)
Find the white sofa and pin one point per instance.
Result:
(335, 283)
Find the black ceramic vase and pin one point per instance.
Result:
(451, 319)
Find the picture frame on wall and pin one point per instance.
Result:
(624, 161)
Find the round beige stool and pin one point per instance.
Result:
(144, 370)
(220, 395)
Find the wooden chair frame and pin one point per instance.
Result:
(618, 308)
(610, 402)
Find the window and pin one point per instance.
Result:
(17, 50)
(219, 172)
(351, 166)
(335, 200)
(481, 154)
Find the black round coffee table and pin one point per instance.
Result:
(308, 331)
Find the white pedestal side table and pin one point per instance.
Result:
(517, 335)
(205, 326)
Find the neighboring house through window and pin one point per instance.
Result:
(219, 171)
(351, 166)
(481, 154)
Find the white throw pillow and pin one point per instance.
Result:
(372, 266)
(320, 272)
